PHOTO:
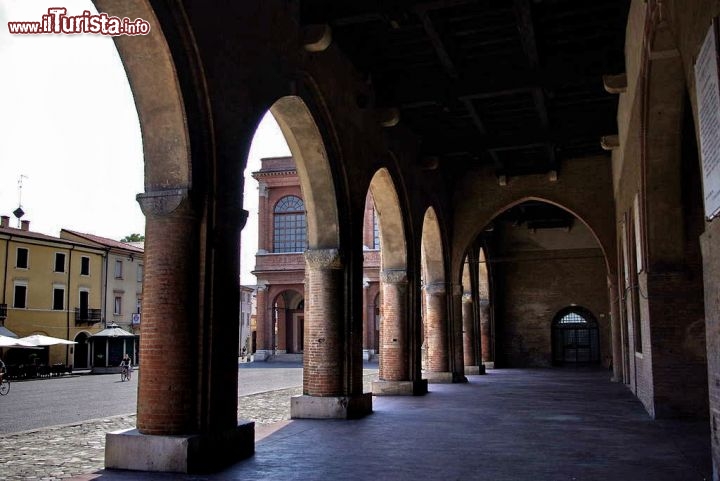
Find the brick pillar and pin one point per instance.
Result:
(469, 337)
(325, 391)
(187, 384)
(167, 395)
(263, 323)
(485, 344)
(322, 360)
(393, 326)
(436, 334)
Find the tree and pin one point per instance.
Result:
(133, 238)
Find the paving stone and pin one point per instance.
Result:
(83, 444)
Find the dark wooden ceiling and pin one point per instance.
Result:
(515, 84)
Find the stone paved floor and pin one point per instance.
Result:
(66, 451)
(511, 425)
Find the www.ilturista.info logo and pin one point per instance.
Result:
(57, 21)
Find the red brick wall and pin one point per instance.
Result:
(529, 295)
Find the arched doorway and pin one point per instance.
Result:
(81, 353)
(575, 337)
(289, 322)
(539, 257)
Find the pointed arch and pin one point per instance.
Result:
(308, 150)
(432, 257)
(391, 221)
(155, 85)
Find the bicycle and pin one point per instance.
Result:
(4, 383)
(125, 374)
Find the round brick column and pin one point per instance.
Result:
(485, 346)
(322, 359)
(436, 328)
(469, 337)
(393, 326)
(168, 391)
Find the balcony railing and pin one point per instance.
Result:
(88, 315)
(3, 311)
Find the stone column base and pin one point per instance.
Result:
(474, 370)
(400, 388)
(262, 354)
(489, 365)
(194, 453)
(330, 407)
(438, 377)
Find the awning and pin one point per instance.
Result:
(41, 340)
(6, 341)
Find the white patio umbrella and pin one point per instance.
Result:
(11, 342)
(41, 340)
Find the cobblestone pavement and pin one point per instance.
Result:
(61, 452)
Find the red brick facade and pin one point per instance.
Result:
(281, 276)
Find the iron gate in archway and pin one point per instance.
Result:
(575, 337)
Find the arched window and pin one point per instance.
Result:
(289, 231)
(575, 337)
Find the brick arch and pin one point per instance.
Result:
(154, 82)
(605, 242)
(391, 220)
(311, 159)
(432, 252)
(295, 298)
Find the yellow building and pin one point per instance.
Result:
(50, 286)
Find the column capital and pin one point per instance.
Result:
(436, 288)
(323, 259)
(162, 202)
(393, 276)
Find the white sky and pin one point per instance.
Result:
(68, 123)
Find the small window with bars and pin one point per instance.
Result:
(572, 318)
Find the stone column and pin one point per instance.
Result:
(469, 336)
(263, 325)
(183, 425)
(485, 340)
(436, 334)
(325, 393)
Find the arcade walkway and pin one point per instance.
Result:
(560, 424)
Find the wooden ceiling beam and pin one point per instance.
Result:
(437, 42)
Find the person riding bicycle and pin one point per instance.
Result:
(126, 363)
(2, 370)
